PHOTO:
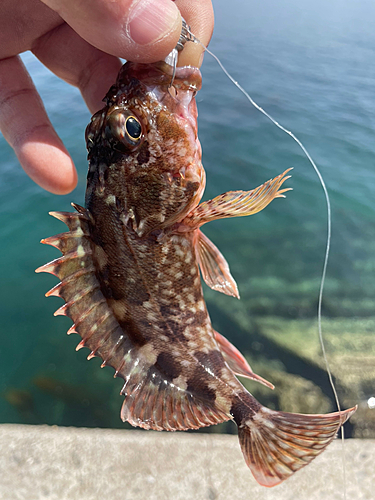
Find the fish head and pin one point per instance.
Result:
(144, 152)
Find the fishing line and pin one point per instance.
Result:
(329, 231)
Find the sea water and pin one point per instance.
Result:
(309, 64)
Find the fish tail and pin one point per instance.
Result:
(276, 444)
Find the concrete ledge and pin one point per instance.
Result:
(41, 462)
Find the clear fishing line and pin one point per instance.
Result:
(193, 38)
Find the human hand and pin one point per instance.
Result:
(80, 41)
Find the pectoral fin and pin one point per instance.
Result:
(238, 203)
(214, 268)
(236, 362)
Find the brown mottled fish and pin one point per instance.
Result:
(130, 275)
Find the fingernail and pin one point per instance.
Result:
(150, 20)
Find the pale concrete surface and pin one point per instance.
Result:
(52, 463)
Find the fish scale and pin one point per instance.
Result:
(131, 268)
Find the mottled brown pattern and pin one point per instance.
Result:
(131, 283)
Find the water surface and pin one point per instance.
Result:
(309, 64)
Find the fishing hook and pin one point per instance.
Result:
(172, 57)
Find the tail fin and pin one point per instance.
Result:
(277, 444)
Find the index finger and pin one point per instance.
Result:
(25, 125)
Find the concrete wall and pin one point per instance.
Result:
(54, 463)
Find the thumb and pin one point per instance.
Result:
(136, 30)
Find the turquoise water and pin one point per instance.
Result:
(308, 64)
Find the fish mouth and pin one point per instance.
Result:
(185, 77)
(159, 76)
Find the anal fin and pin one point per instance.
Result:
(236, 362)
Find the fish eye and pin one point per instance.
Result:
(123, 130)
(133, 128)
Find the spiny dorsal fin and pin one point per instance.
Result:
(214, 268)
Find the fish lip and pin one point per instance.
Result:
(160, 74)
(185, 77)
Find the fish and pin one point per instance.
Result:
(131, 268)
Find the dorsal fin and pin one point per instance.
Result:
(154, 402)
